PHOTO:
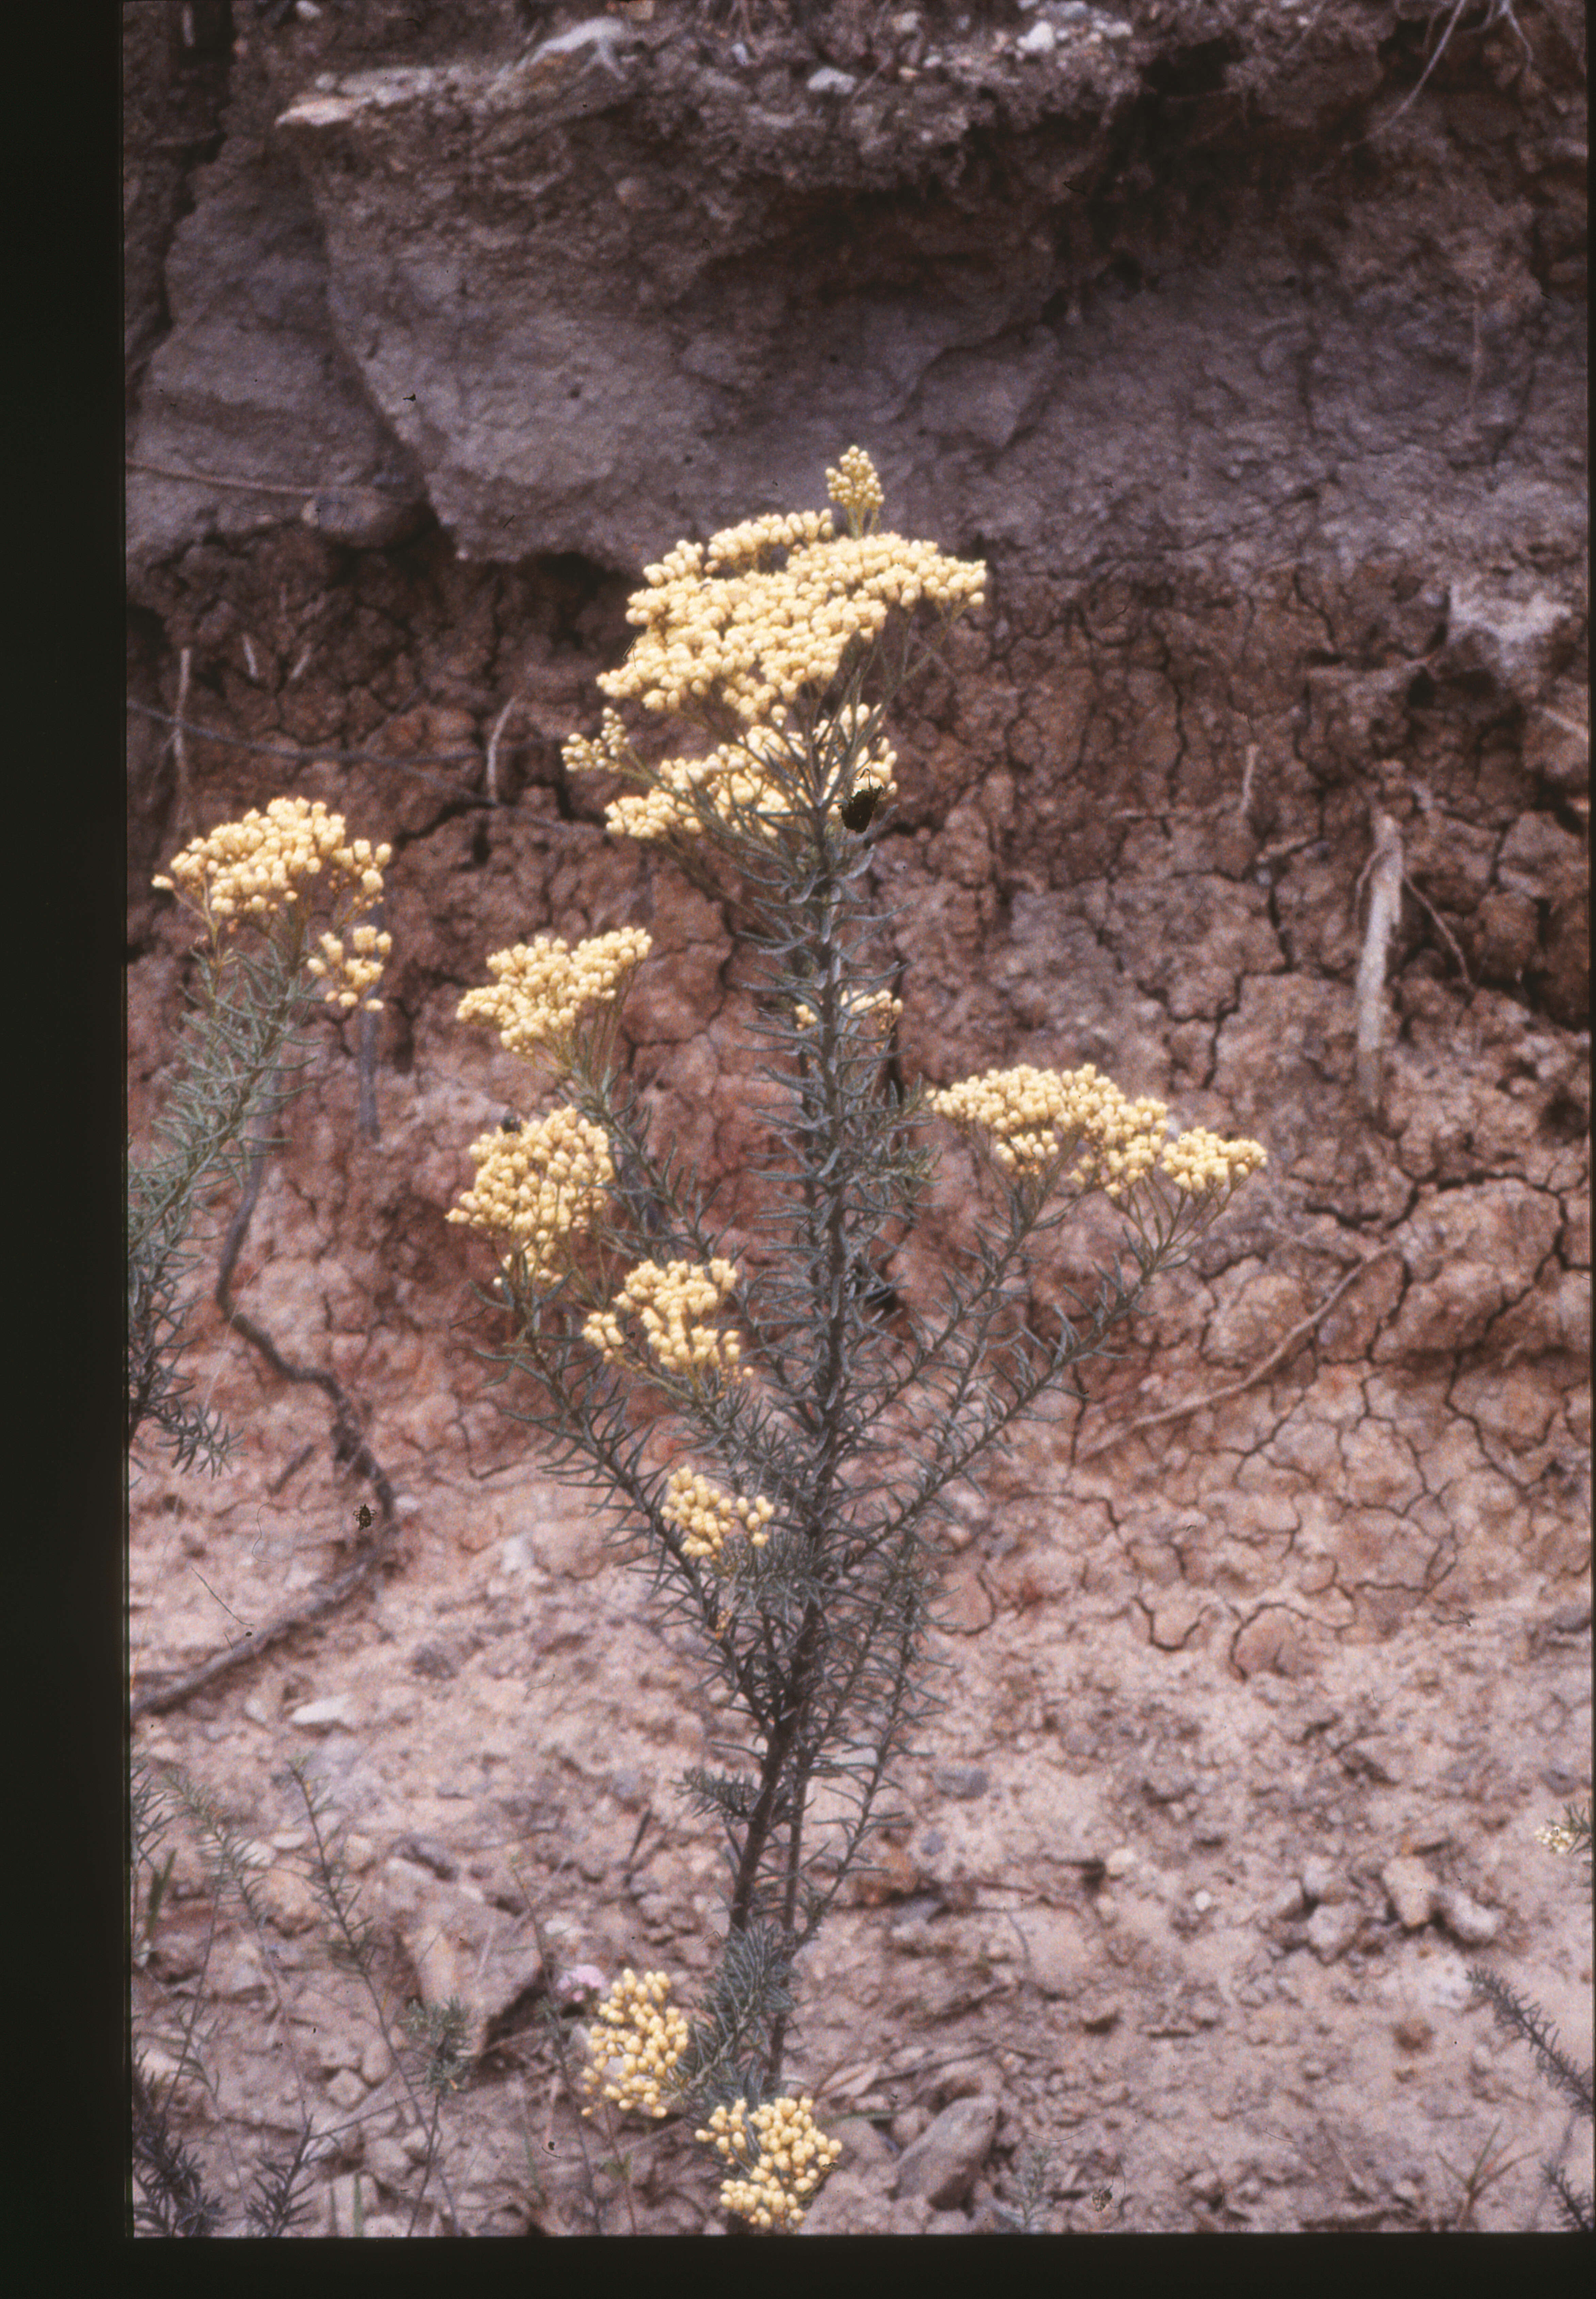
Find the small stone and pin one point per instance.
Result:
(1120, 1862)
(1411, 1890)
(941, 2165)
(242, 1976)
(346, 2090)
(1318, 1881)
(829, 81)
(1330, 1931)
(1202, 1901)
(320, 1716)
(1098, 2017)
(1465, 1919)
(1040, 40)
(515, 1556)
(433, 1661)
(964, 1781)
(1057, 1953)
(1414, 2032)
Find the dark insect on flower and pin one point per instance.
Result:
(364, 1518)
(856, 813)
(509, 1122)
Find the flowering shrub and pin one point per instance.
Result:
(797, 1549)
(278, 873)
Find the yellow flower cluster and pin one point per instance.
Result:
(732, 775)
(756, 539)
(1556, 1836)
(753, 776)
(536, 1186)
(854, 487)
(784, 2159)
(670, 1302)
(265, 867)
(1201, 1163)
(718, 620)
(604, 753)
(1032, 1116)
(708, 1514)
(880, 1004)
(539, 992)
(641, 2037)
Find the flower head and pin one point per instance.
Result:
(538, 992)
(638, 2036)
(271, 866)
(1201, 1164)
(537, 1186)
(779, 2152)
(1033, 1117)
(708, 1516)
(726, 620)
(671, 1304)
(879, 1008)
(855, 488)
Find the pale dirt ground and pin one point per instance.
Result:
(1161, 2024)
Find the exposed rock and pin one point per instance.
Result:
(1331, 1930)
(322, 1715)
(1411, 1890)
(1465, 1919)
(942, 2163)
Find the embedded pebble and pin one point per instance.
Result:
(1318, 1881)
(1411, 1890)
(1465, 1919)
(319, 1715)
(1330, 1931)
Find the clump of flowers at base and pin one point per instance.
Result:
(670, 1302)
(1033, 1117)
(537, 1186)
(267, 866)
(638, 2036)
(538, 992)
(708, 1516)
(781, 2159)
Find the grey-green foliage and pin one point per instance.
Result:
(230, 1068)
(817, 1640)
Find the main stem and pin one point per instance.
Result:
(785, 1760)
